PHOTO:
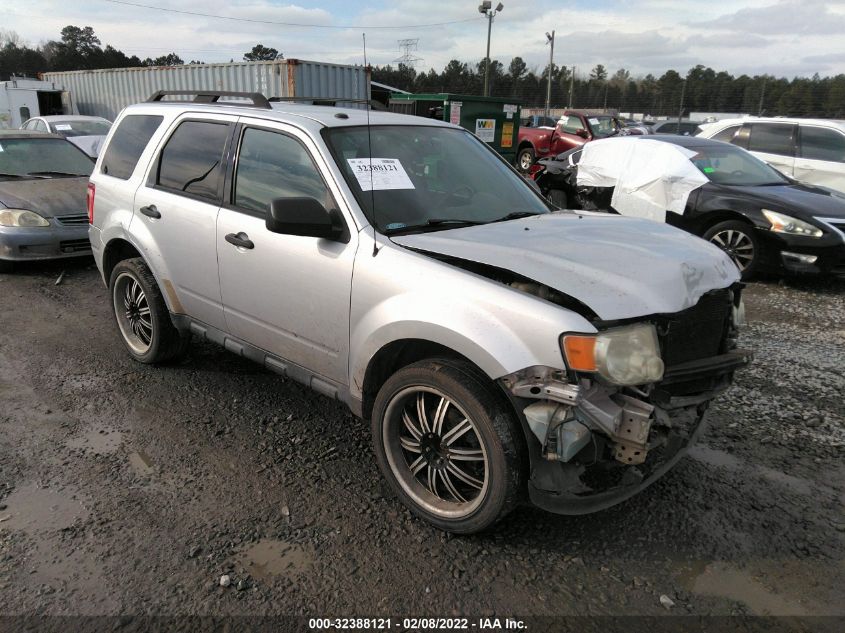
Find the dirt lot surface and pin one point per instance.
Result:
(128, 489)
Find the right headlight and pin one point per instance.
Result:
(628, 355)
(21, 218)
(782, 223)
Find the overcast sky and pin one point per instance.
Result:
(784, 38)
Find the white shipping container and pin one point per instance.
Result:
(106, 92)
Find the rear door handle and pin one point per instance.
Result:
(150, 211)
(240, 240)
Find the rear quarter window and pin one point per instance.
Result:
(128, 143)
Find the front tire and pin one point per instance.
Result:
(142, 316)
(525, 159)
(737, 239)
(449, 445)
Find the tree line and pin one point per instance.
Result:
(79, 48)
(701, 89)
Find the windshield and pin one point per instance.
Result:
(428, 176)
(603, 126)
(83, 127)
(730, 165)
(22, 156)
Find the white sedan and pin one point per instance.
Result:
(86, 132)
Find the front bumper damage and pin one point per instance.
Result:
(592, 445)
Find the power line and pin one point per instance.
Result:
(296, 24)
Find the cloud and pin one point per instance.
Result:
(790, 17)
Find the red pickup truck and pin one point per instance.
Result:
(573, 130)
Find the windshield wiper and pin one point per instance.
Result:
(516, 215)
(55, 173)
(432, 223)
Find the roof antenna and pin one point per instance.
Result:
(370, 153)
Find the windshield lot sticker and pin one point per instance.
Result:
(387, 173)
(63, 126)
(485, 129)
(593, 121)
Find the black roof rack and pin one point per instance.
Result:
(330, 101)
(213, 96)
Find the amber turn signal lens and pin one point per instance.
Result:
(580, 352)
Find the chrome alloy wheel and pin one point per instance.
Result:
(133, 313)
(737, 245)
(525, 161)
(435, 451)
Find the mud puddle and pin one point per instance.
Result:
(269, 557)
(34, 509)
(98, 439)
(141, 463)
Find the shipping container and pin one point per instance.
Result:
(106, 92)
(494, 120)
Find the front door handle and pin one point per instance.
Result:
(150, 211)
(240, 240)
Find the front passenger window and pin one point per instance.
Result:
(274, 165)
(572, 124)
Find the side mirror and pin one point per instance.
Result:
(306, 217)
(582, 133)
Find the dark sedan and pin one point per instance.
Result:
(43, 187)
(765, 221)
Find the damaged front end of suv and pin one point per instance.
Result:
(629, 404)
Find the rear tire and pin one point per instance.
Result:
(142, 315)
(525, 159)
(460, 464)
(738, 240)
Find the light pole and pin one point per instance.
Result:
(550, 39)
(486, 8)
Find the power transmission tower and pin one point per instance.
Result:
(409, 49)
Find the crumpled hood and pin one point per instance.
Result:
(49, 197)
(619, 267)
(88, 144)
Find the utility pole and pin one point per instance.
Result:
(486, 7)
(605, 96)
(681, 111)
(762, 96)
(571, 86)
(550, 39)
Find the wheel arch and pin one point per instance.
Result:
(117, 250)
(712, 218)
(400, 353)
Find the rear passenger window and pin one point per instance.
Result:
(128, 143)
(771, 138)
(727, 135)
(273, 165)
(191, 162)
(819, 143)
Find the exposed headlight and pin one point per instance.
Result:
(628, 355)
(21, 218)
(792, 226)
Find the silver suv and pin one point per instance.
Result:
(504, 350)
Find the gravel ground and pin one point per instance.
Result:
(127, 489)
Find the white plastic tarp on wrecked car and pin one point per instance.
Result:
(650, 177)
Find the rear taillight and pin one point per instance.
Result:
(91, 191)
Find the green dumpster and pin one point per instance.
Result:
(493, 119)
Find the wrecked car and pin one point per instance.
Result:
(766, 221)
(503, 352)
